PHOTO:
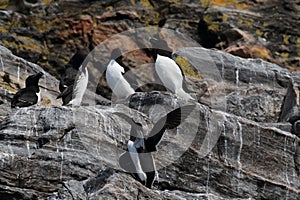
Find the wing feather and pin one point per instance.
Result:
(169, 121)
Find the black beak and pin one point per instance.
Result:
(39, 75)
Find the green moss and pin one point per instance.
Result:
(145, 3)
(298, 42)
(286, 39)
(24, 44)
(259, 32)
(266, 34)
(260, 52)
(9, 88)
(284, 55)
(47, 102)
(187, 69)
(109, 8)
(224, 18)
(3, 29)
(42, 25)
(249, 23)
(240, 21)
(205, 3)
(47, 2)
(212, 25)
(4, 4)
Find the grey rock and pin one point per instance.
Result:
(230, 148)
(245, 87)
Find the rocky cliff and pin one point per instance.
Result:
(236, 144)
(233, 146)
(47, 32)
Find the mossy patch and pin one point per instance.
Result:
(298, 42)
(47, 102)
(145, 3)
(284, 55)
(212, 25)
(186, 67)
(43, 25)
(258, 32)
(3, 29)
(47, 2)
(260, 52)
(224, 18)
(24, 43)
(9, 88)
(4, 4)
(109, 8)
(286, 39)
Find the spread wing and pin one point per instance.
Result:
(24, 98)
(169, 121)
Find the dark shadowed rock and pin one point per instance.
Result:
(291, 103)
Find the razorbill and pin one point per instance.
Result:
(138, 160)
(117, 83)
(29, 95)
(166, 68)
(74, 80)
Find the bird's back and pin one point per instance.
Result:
(25, 97)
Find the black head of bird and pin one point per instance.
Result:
(160, 46)
(78, 58)
(33, 80)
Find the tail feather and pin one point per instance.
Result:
(181, 93)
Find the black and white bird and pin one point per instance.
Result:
(30, 95)
(138, 160)
(115, 79)
(74, 80)
(167, 69)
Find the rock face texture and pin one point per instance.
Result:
(241, 141)
(259, 29)
(230, 147)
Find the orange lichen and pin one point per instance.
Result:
(260, 52)
(227, 3)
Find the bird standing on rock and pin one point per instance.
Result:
(74, 80)
(115, 79)
(29, 95)
(138, 160)
(166, 68)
